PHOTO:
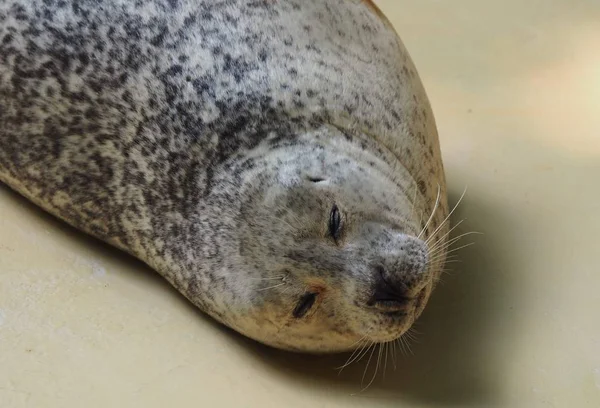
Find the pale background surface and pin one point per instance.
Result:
(515, 86)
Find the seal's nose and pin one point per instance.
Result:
(388, 296)
(400, 276)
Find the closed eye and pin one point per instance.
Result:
(316, 179)
(335, 223)
(305, 303)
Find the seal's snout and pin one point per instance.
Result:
(400, 278)
(389, 296)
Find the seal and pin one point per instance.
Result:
(277, 161)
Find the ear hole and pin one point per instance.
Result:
(316, 179)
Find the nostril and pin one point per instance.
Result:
(388, 296)
(396, 288)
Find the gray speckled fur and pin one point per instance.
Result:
(185, 133)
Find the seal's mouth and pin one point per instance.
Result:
(393, 298)
(399, 309)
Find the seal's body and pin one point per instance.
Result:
(276, 160)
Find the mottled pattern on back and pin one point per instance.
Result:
(132, 120)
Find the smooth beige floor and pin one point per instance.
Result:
(515, 85)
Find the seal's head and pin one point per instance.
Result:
(329, 252)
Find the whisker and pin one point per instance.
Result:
(440, 256)
(273, 278)
(387, 348)
(373, 346)
(376, 369)
(441, 241)
(394, 352)
(354, 356)
(350, 359)
(364, 352)
(437, 202)
(452, 241)
(438, 259)
(407, 345)
(363, 356)
(449, 214)
(401, 346)
(361, 339)
(271, 287)
(410, 334)
(453, 258)
(442, 251)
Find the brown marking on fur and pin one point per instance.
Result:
(316, 285)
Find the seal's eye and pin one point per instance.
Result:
(316, 179)
(304, 305)
(335, 223)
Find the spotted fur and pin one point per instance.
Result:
(211, 138)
